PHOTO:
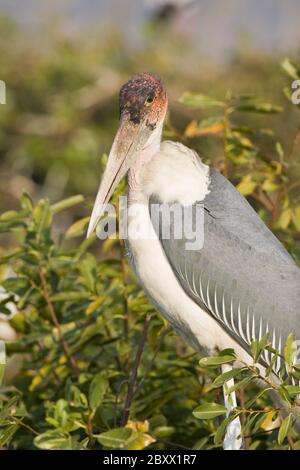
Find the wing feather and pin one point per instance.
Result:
(242, 275)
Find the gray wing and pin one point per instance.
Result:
(242, 275)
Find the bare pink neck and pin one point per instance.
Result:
(145, 156)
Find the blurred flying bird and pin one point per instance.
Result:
(164, 10)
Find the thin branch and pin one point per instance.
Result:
(266, 203)
(125, 291)
(56, 322)
(162, 337)
(291, 442)
(116, 402)
(293, 185)
(132, 379)
(174, 444)
(89, 426)
(294, 145)
(288, 437)
(25, 426)
(241, 395)
(225, 140)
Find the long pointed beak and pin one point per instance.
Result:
(129, 141)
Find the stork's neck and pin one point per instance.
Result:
(151, 148)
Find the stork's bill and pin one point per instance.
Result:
(143, 105)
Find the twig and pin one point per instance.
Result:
(42, 349)
(56, 322)
(25, 426)
(89, 426)
(162, 337)
(289, 438)
(174, 444)
(124, 382)
(225, 141)
(132, 379)
(266, 203)
(291, 442)
(293, 185)
(294, 145)
(243, 417)
(260, 433)
(125, 292)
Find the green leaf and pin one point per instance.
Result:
(269, 186)
(270, 367)
(139, 441)
(280, 151)
(257, 347)
(66, 203)
(69, 296)
(42, 215)
(215, 361)
(2, 370)
(97, 390)
(116, 438)
(88, 269)
(9, 216)
(26, 202)
(18, 322)
(256, 398)
(77, 399)
(289, 350)
(53, 440)
(200, 101)
(284, 429)
(17, 285)
(284, 394)
(240, 384)
(260, 108)
(221, 430)
(246, 185)
(7, 433)
(201, 444)
(291, 68)
(221, 379)
(296, 217)
(292, 389)
(284, 219)
(162, 432)
(78, 228)
(209, 411)
(62, 417)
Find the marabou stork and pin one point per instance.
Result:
(242, 283)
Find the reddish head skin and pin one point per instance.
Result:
(144, 96)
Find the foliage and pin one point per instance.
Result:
(81, 323)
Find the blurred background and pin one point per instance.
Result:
(64, 61)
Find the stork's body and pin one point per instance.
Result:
(242, 283)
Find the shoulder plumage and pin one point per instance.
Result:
(176, 174)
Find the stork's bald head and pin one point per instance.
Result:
(143, 98)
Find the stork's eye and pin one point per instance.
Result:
(149, 100)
